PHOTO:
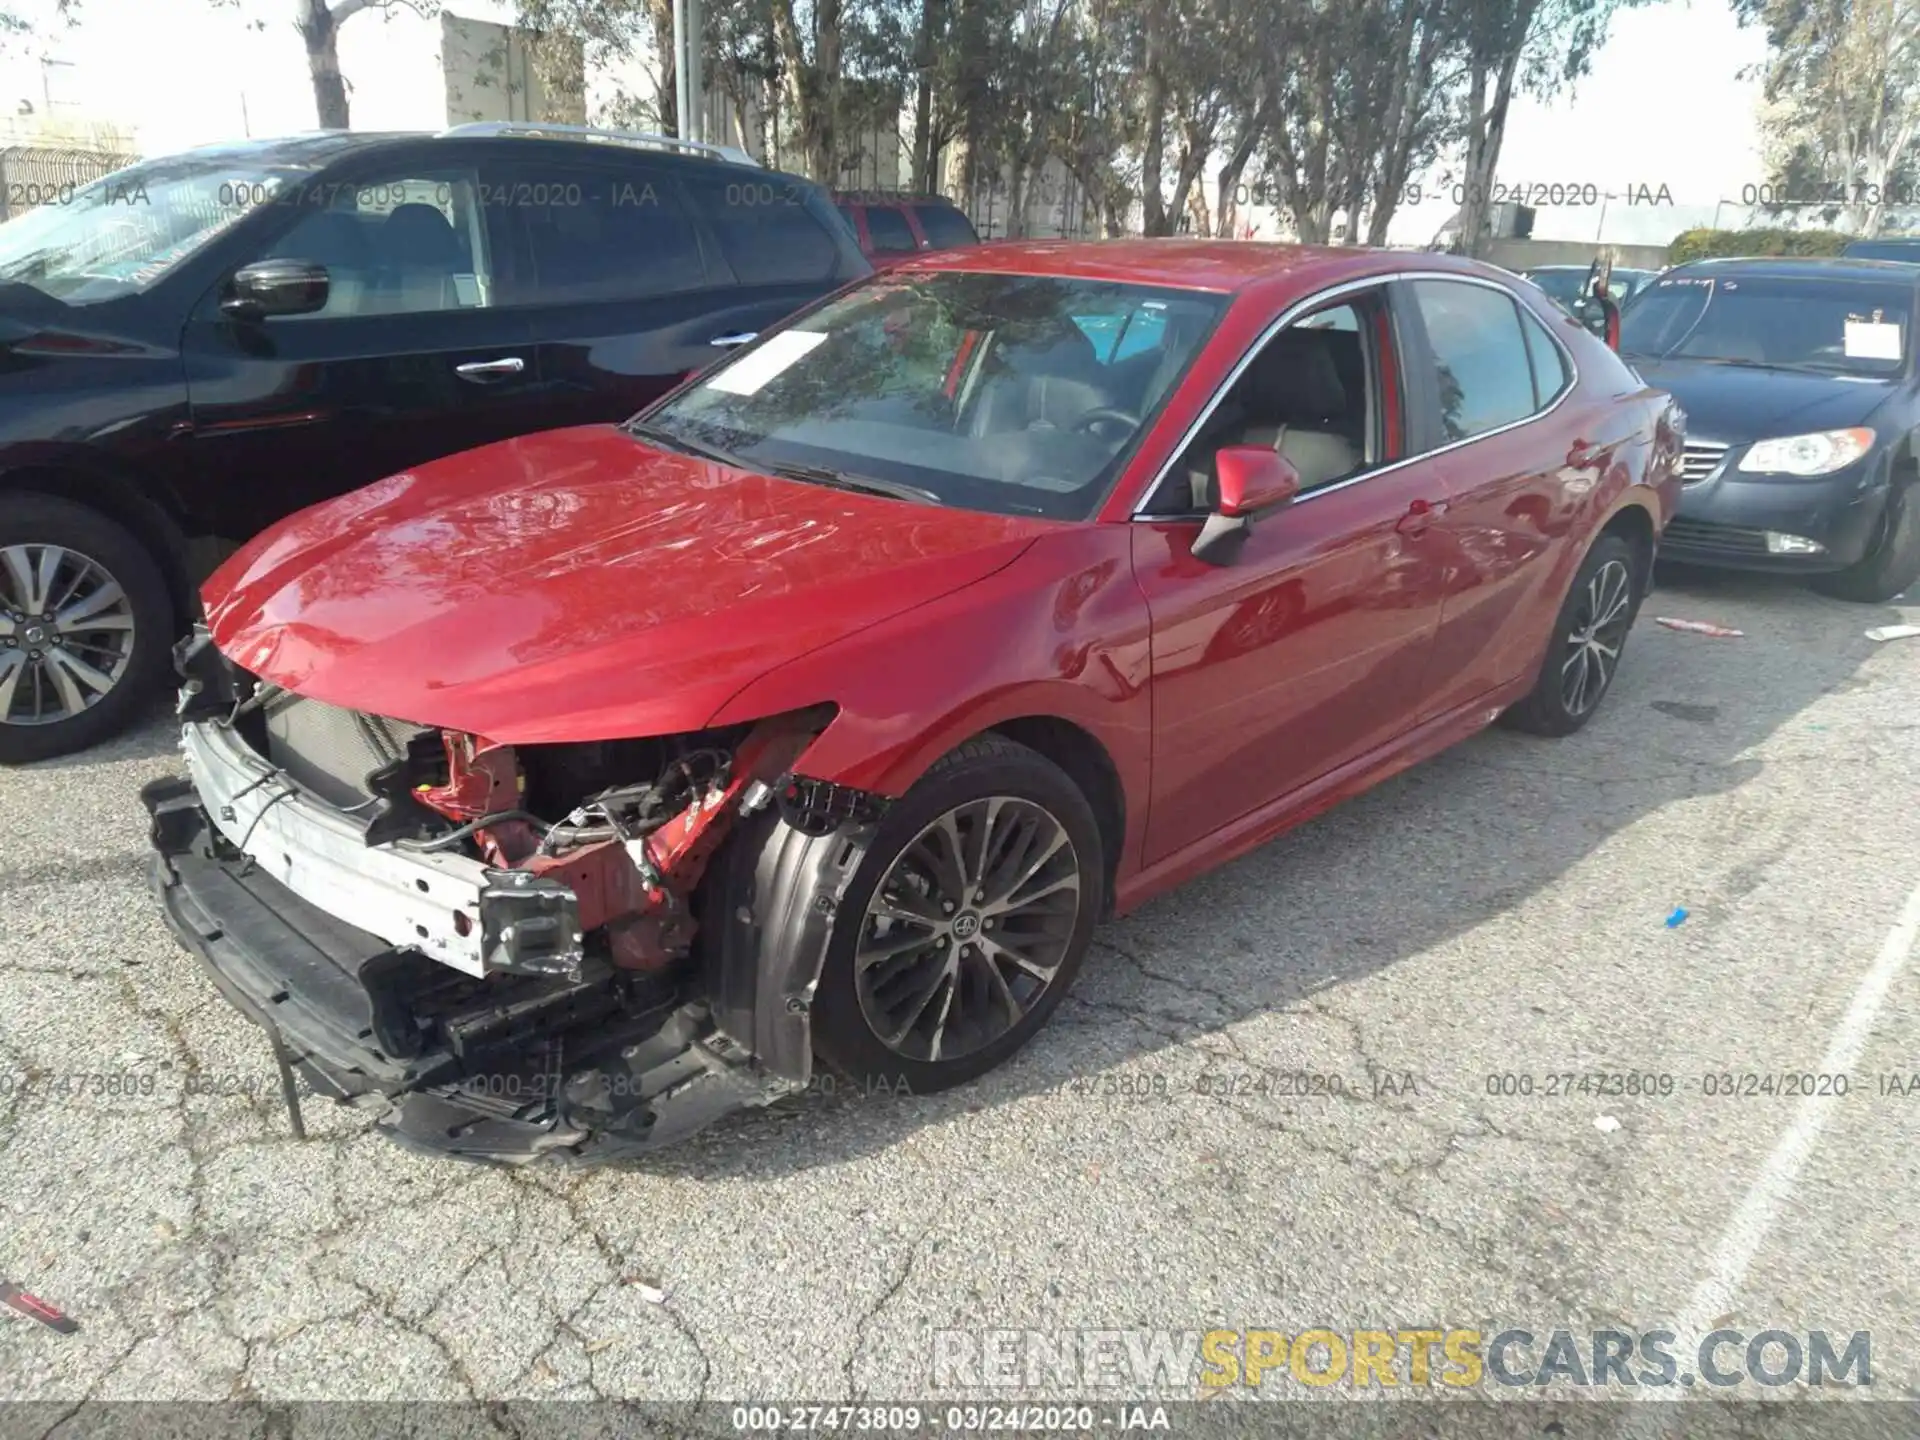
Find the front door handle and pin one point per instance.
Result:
(739, 337)
(1420, 515)
(482, 372)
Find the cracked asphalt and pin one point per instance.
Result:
(1500, 911)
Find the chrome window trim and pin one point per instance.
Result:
(1314, 302)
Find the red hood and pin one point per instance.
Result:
(578, 585)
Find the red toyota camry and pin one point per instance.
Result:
(558, 797)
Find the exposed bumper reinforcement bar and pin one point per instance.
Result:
(506, 1069)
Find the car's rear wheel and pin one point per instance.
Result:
(1892, 561)
(968, 920)
(1589, 635)
(85, 627)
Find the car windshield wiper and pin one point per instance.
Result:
(673, 440)
(847, 480)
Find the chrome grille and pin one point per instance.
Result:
(331, 751)
(1700, 459)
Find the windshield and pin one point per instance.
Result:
(981, 391)
(1829, 324)
(1563, 286)
(121, 233)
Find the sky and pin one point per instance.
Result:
(1664, 107)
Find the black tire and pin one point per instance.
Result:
(1550, 709)
(42, 520)
(990, 766)
(1892, 561)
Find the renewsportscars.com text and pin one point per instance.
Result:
(1400, 1358)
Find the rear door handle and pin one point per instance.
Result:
(1584, 456)
(1420, 515)
(482, 372)
(728, 342)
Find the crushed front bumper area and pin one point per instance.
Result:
(507, 1069)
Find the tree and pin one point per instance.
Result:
(1843, 92)
(319, 22)
(1532, 45)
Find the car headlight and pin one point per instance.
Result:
(1817, 454)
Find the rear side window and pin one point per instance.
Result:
(1551, 373)
(1485, 372)
(766, 228)
(945, 226)
(889, 230)
(595, 234)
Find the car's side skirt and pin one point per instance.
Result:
(1251, 831)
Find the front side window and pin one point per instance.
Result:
(1480, 355)
(391, 245)
(122, 233)
(1832, 325)
(1309, 395)
(981, 391)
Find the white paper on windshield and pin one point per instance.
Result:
(1872, 340)
(751, 373)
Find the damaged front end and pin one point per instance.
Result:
(506, 951)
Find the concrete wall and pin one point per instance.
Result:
(490, 74)
(1524, 254)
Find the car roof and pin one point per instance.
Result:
(888, 197)
(1804, 267)
(312, 147)
(1227, 266)
(322, 147)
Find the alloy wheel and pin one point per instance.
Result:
(1593, 644)
(967, 929)
(66, 633)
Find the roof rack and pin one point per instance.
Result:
(640, 138)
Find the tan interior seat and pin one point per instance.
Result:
(1297, 405)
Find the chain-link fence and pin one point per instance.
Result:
(34, 175)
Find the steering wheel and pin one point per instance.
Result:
(1105, 414)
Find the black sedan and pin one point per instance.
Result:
(1803, 416)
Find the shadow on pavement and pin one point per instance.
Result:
(1425, 857)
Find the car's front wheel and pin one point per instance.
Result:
(967, 921)
(85, 627)
(1589, 635)
(1892, 561)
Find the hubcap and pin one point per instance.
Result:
(66, 633)
(1593, 644)
(967, 929)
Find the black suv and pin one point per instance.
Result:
(197, 346)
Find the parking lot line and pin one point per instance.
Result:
(1765, 1198)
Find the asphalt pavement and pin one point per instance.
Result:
(1371, 1077)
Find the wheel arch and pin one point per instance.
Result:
(1633, 522)
(120, 500)
(1079, 753)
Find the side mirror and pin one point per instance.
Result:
(276, 287)
(1254, 481)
